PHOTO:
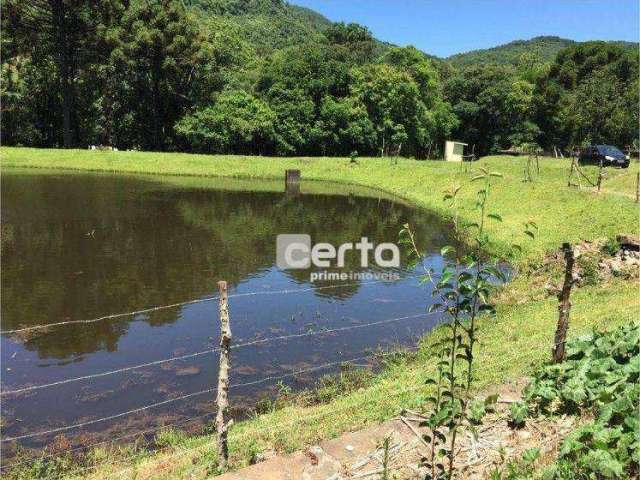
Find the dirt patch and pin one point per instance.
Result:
(362, 455)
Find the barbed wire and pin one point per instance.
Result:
(183, 397)
(188, 302)
(104, 419)
(282, 425)
(182, 453)
(276, 377)
(502, 361)
(295, 421)
(212, 350)
(269, 378)
(303, 419)
(113, 440)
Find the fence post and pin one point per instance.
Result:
(564, 306)
(600, 177)
(573, 162)
(638, 187)
(222, 399)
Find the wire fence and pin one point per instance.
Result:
(184, 304)
(498, 363)
(169, 458)
(251, 343)
(261, 341)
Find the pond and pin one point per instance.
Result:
(85, 246)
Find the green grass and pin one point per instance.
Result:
(561, 213)
(623, 181)
(511, 345)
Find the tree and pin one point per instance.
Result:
(295, 83)
(599, 111)
(494, 105)
(317, 70)
(356, 41)
(63, 33)
(236, 123)
(439, 113)
(345, 127)
(163, 62)
(590, 95)
(416, 64)
(294, 119)
(392, 100)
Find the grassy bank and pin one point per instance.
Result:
(510, 346)
(562, 213)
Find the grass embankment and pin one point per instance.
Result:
(510, 346)
(562, 214)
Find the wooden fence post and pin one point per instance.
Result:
(573, 163)
(638, 187)
(222, 399)
(600, 177)
(564, 306)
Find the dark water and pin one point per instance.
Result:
(81, 246)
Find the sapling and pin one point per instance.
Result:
(463, 291)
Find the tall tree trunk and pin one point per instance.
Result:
(65, 68)
(67, 102)
(158, 120)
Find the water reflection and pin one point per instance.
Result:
(79, 246)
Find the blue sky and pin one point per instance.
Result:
(445, 27)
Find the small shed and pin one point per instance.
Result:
(454, 151)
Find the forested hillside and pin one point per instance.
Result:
(265, 24)
(544, 49)
(266, 77)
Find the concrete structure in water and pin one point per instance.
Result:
(454, 151)
(292, 182)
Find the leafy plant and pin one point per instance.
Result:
(611, 246)
(462, 291)
(479, 408)
(518, 412)
(600, 375)
(518, 469)
(477, 411)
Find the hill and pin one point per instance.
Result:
(266, 24)
(546, 47)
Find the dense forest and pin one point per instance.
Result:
(545, 49)
(265, 77)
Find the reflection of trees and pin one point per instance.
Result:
(76, 247)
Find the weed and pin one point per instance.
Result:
(600, 375)
(519, 469)
(169, 437)
(518, 412)
(611, 247)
